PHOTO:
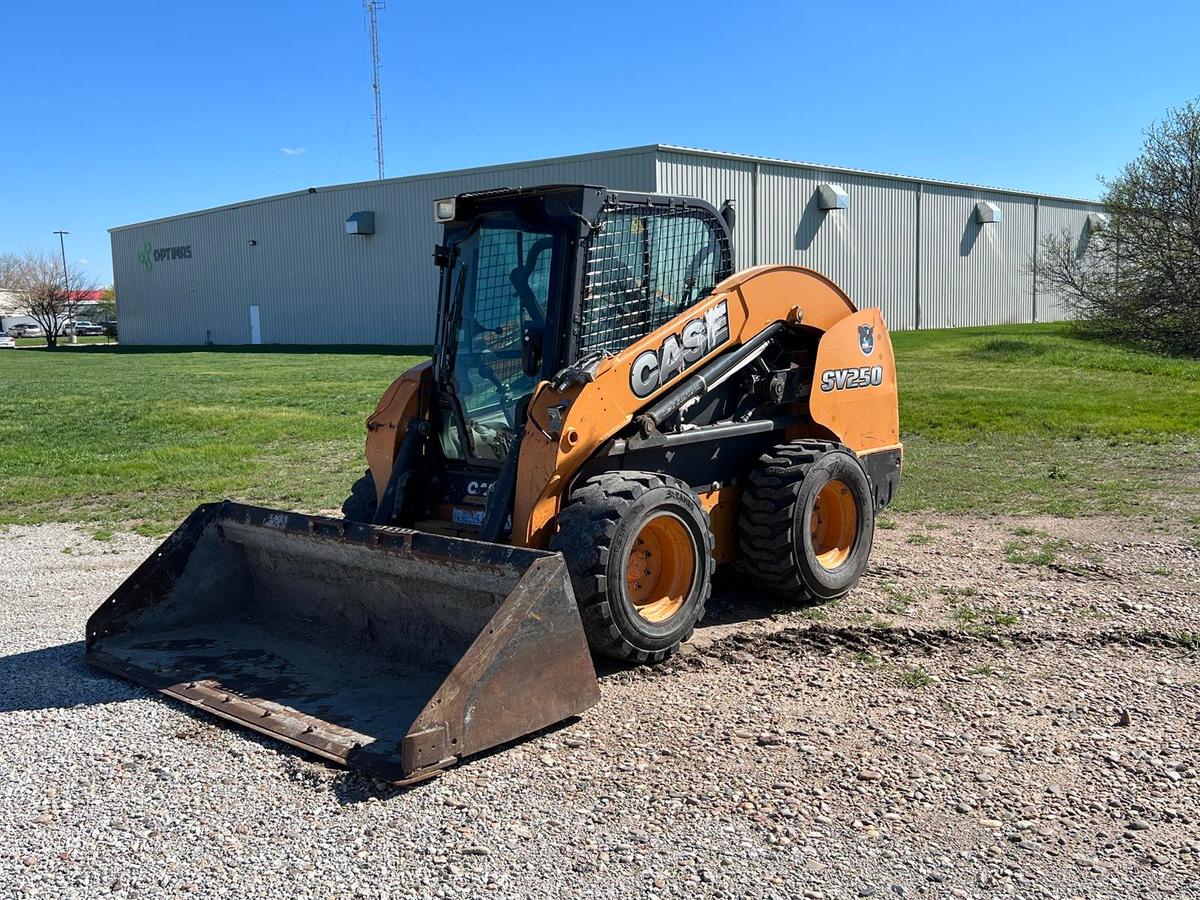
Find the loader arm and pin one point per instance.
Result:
(741, 307)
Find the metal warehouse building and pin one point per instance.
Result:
(351, 264)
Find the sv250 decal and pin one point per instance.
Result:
(846, 379)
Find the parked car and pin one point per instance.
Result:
(7, 343)
(25, 329)
(82, 328)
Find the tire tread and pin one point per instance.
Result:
(766, 545)
(586, 528)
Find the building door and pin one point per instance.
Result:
(255, 326)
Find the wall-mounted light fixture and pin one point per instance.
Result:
(988, 213)
(251, 242)
(832, 196)
(361, 223)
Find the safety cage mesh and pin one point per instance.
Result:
(646, 264)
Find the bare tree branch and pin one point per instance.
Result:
(1137, 278)
(44, 292)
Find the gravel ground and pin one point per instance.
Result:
(1004, 708)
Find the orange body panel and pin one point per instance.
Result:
(594, 413)
(722, 508)
(387, 425)
(865, 416)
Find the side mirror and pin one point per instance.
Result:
(531, 351)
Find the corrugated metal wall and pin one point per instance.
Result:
(313, 283)
(913, 248)
(949, 272)
(973, 274)
(1056, 217)
(716, 181)
(867, 249)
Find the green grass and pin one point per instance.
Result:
(65, 341)
(1016, 419)
(1038, 379)
(982, 622)
(1187, 640)
(916, 678)
(1028, 419)
(952, 592)
(139, 439)
(1042, 551)
(899, 602)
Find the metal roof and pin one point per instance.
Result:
(842, 170)
(624, 151)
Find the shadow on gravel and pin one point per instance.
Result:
(354, 787)
(57, 678)
(731, 603)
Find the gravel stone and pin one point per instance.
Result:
(790, 753)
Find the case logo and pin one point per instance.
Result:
(477, 488)
(866, 339)
(698, 337)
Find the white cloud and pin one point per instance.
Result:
(292, 151)
(84, 262)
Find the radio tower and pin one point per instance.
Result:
(373, 6)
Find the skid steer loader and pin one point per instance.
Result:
(610, 413)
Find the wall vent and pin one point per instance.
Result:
(988, 213)
(832, 196)
(361, 223)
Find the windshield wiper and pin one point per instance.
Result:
(453, 324)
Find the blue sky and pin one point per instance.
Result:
(123, 111)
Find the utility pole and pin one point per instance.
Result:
(373, 6)
(62, 245)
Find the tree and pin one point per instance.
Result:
(1134, 275)
(44, 292)
(107, 304)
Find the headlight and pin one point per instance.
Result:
(443, 210)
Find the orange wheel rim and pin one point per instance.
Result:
(660, 568)
(834, 524)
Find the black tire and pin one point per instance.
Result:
(775, 540)
(360, 505)
(596, 532)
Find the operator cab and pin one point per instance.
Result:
(534, 281)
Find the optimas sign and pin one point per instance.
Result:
(149, 254)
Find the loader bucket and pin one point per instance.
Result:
(393, 651)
